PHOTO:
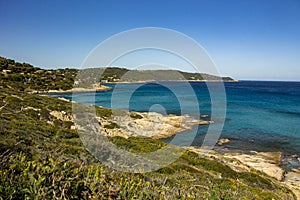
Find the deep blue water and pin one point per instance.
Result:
(260, 115)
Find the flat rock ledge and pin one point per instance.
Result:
(154, 125)
(266, 162)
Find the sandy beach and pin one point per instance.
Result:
(81, 90)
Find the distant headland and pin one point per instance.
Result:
(26, 77)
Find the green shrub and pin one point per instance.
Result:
(111, 125)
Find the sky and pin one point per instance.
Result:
(246, 39)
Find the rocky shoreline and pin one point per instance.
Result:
(158, 126)
(264, 162)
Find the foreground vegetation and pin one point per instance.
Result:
(42, 157)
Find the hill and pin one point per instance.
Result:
(27, 77)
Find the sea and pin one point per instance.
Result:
(259, 115)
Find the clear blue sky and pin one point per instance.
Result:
(247, 39)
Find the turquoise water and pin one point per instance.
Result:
(260, 115)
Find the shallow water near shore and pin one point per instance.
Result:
(260, 116)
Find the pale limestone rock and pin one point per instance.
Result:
(62, 115)
(292, 179)
(223, 141)
(267, 162)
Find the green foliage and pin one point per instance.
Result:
(42, 158)
(23, 76)
(50, 178)
(111, 125)
(103, 112)
(138, 145)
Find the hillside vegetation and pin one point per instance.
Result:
(26, 77)
(42, 157)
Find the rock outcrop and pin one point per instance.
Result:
(292, 180)
(62, 115)
(266, 162)
(151, 124)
